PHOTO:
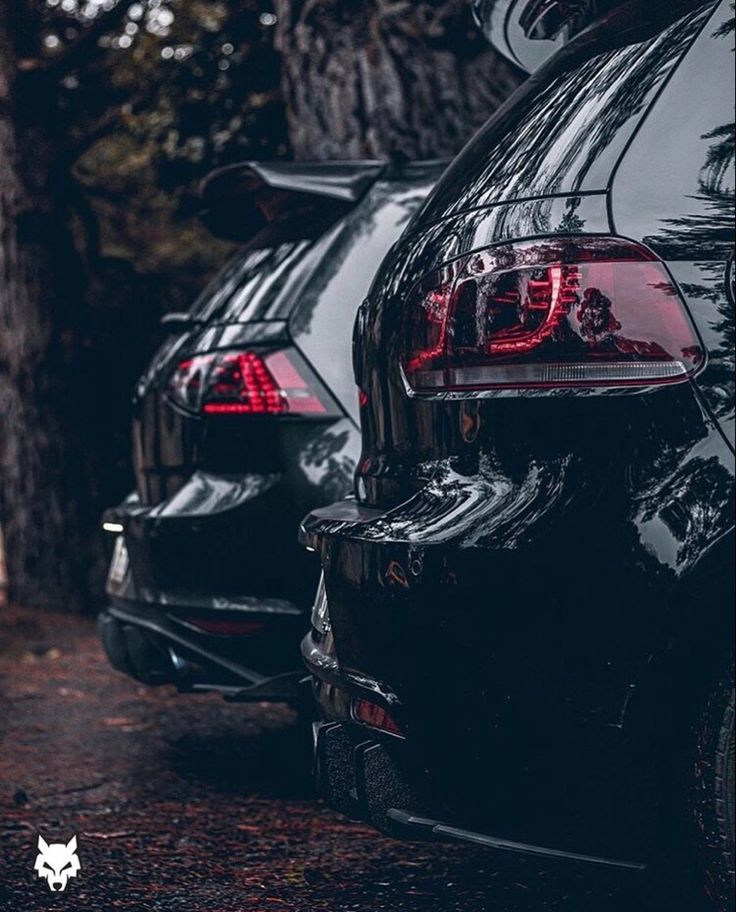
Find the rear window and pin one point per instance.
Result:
(272, 283)
(253, 285)
(322, 323)
(566, 127)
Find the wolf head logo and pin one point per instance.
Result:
(57, 862)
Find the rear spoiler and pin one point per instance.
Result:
(529, 32)
(267, 203)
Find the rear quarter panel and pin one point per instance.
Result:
(548, 534)
(674, 190)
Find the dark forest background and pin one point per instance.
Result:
(110, 114)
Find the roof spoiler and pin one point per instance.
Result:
(267, 203)
(529, 32)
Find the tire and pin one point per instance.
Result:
(715, 779)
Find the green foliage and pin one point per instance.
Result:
(178, 87)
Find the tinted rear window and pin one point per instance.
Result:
(322, 323)
(253, 285)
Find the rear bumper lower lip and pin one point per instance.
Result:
(448, 831)
(147, 645)
(166, 631)
(366, 777)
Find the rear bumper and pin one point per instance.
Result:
(220, 541)
(155, 649)
(369, 780)
(197, 601)
(382, 779)
(510, 689)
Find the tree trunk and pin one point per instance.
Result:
(376, 78)
(44, 510)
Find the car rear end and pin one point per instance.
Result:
(537, 564)
(246, 418)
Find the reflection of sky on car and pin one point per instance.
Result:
(684, 208)
(350, 255)
(329, 459)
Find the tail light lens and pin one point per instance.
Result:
(229, 627)
(375, 716)
(595, 312)
(250, 383)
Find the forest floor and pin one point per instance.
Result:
(193, 804)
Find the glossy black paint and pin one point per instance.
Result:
(539, 585)
(211, 528)
(499, 20)
(529, 32)
(566, 127)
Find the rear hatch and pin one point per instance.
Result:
(288, 299)
(246, 305)
(541, 167)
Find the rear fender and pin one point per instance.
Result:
(695, 644)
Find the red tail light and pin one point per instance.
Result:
(375, 716)
(249, 383)
(595, 312)
(226, 627)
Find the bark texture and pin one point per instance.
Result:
(42, 471)
(375, 78)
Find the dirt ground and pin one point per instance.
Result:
(188, 803)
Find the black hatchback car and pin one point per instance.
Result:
(524, 633)
(246, 418)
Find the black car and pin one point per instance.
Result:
(524, 633)
(245, 419)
